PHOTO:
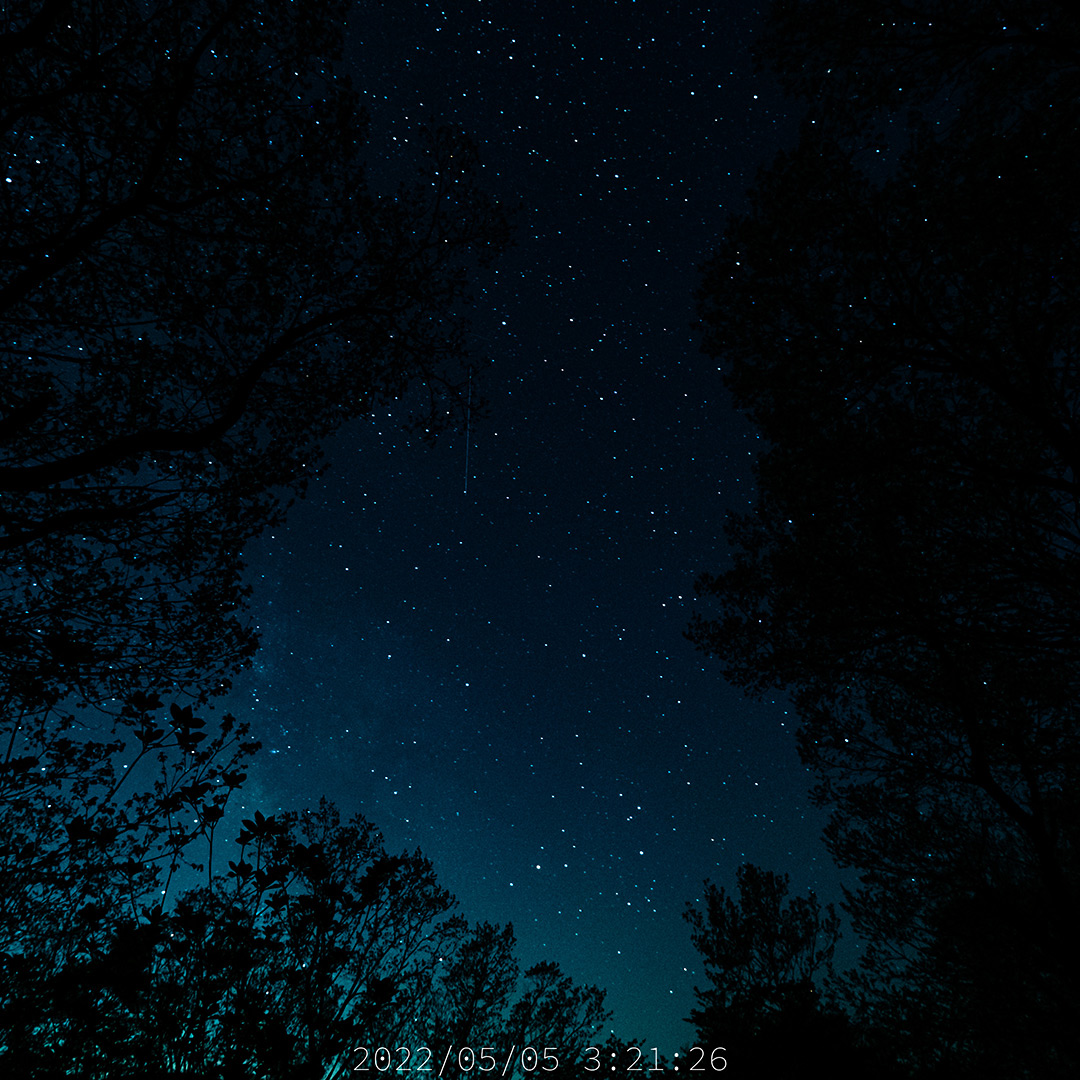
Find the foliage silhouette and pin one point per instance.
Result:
(313, 944)
(897, 315)
(768, 958)
(758, 950)
(197, 286)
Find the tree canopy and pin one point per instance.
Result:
(768, 1002)
(896, 313)
(760, 950)
(305, 953)
(197, 286)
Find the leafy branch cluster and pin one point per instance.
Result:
(897, 314)
(197, 287)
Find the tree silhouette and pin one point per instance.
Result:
(760, 950)
(767, 958)
(197, 286)
(896, 313)
(481, 1007)
(93, 837)
(313, 949)
(553, 1011)
(474, 992)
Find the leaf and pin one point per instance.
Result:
(180, 716)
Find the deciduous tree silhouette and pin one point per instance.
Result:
(897, 315)
(767, 957)
(497, 1020)
(313, 949)
(93, 835)
(197, 286)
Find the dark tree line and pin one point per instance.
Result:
(310, 952)
(897, 313)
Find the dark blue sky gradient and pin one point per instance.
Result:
(499, 676)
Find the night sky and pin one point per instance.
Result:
(498, 675)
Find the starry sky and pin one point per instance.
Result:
(489, 662)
